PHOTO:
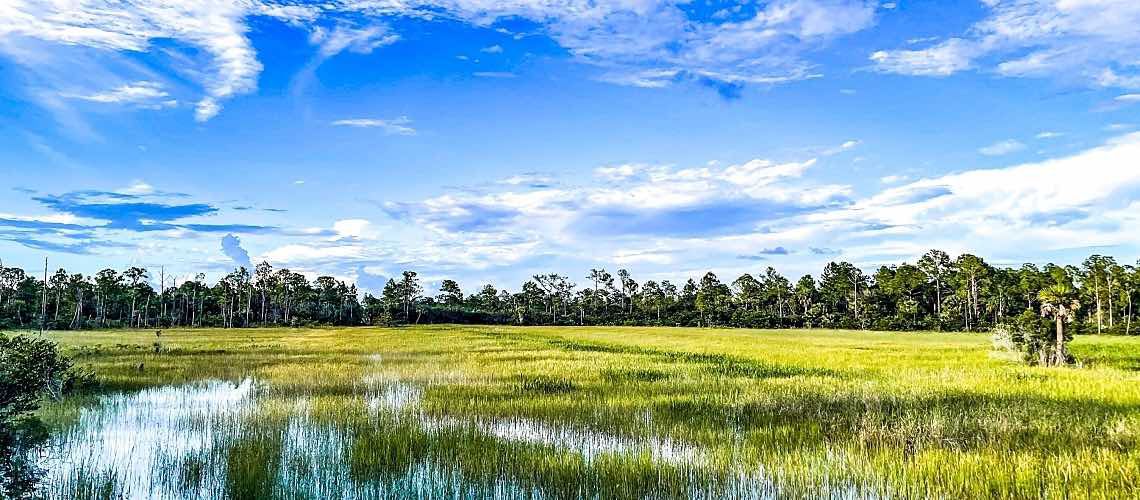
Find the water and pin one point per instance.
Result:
(588, 443)
(129, 437)
(213, 439)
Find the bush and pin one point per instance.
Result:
(1002, 337)
(1030, 335)
(30, 368)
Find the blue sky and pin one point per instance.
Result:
(488, 141)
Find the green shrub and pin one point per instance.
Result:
(30, 368)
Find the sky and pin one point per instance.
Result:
(487, 141)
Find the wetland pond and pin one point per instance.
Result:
(241, 439)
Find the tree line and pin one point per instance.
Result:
(936, 292)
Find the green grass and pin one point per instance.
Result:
(572, 412)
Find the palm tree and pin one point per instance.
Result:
(1059, 302)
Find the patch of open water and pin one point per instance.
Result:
(124, 437)
(142, 440)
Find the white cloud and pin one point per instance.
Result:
(1055, 203)
(307, 253)
(668, 200)
(626, 257)
(494, 49)
(846, 146)
(648, 43)
(1082, 40)
(943, 59)
(651, 43)
(142, 94)
(397, 126)
(1002, 148)
(206, 109)
(216, 28)
(360, 40)
(1110, 78)
(494, 74)
(1048, 134)
(352, 229)
(138, 188)
(619, 172)
(528, 179)
(1082, 199)
(1128, 98)
(646, 79)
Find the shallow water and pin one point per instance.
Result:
(130, 437)
(194, 440)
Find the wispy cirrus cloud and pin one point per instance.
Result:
(141, 94)
(395, 126)
(54, 233)
(944, 59)
(229, 66)
(1002, 148)
(647, 44)
(1089, 42)
(358, 39)
(87, 247)
(530, 179)
(494, 74)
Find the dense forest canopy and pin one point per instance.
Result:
(936, 292)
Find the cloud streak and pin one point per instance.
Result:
(1001, 148)
(141, 94)
(397, 126)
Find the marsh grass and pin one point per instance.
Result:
(542, 384)
(434, 412)
(633, 375)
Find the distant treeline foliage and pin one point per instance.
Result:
(937, 292)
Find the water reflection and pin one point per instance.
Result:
(222, 439)
(123, 441)
(586, 442)
(20, 440)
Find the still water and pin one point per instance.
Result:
(228, 439)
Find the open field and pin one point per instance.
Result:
(572, 412)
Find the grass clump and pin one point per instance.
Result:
(633, 375)
(542, 384)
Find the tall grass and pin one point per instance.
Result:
(610, 412)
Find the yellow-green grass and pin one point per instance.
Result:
(800, 413)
